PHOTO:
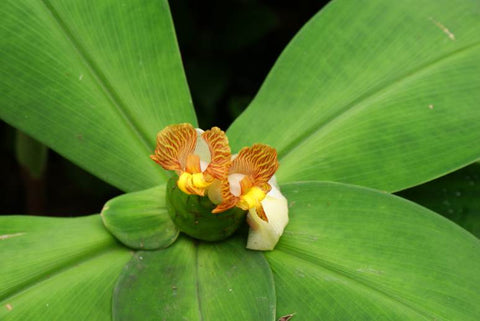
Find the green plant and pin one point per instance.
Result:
(369, 98)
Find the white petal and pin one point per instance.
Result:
(265, 235)
(234, 180)
(202, 150)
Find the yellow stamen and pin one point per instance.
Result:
(252, 198)
(198, 180)
(184, 181)
(193, 183)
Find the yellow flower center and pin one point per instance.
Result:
(198, 157)
(193, 183)
(201, 158)
(252, 198)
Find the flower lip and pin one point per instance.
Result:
(263, 235)
(198, 157)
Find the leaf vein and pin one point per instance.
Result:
(357, 103)
(99, 76)
(409, 305)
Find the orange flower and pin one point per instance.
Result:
(251, 186)
(198, 157)
(248, 176)
(204, 164)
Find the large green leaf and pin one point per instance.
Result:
(82, 292)
(57, 268)
(189, 281)
(140, 220)
(350, 253)
(94, 80)
(376, 93)
(33, 247)
(456, 196)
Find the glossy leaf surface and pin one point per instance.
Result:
(376, 93)
(205, 281)
(140, 220)
(354, 253)
(57, 268)
(94, 81)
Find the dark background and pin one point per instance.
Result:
(227, 47)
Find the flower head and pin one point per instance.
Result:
(251, 186)
(248, 176)
(246, 181)
(198, 157)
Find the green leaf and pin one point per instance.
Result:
(33, 247)
(455, 196)
(57, 268)
(376, 93)
(94, 84)
(140, 220)
(190, 281)
(82, 292)
(354, 253)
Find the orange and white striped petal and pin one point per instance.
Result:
(174, 144)
(198, 157)
(248, 177)
(220, 154)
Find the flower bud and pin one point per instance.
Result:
(193, 215)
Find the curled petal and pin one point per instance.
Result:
(174, 144)
(259, 162)
(220, 154)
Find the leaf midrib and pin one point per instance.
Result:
(357, 103)
(197, 283)
(102, 81)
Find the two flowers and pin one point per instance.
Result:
(205, 167)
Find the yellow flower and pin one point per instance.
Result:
(198, 157)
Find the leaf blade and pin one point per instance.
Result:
(57, 268)
(33, 247)
(93, 84)
(198, 282)
(373, 106)
(83, 292)
(454, 196)
(354, 252)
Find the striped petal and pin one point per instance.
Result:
(174, 144)
(250, 172)
(220, 154)
(198, 157)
